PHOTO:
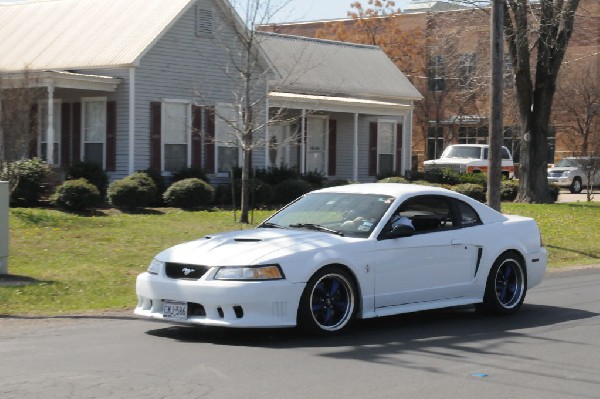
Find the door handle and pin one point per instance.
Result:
(457, 242)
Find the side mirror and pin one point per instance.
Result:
(397, 230)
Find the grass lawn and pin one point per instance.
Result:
(86, 264)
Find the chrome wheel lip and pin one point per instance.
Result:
(509, 283)
(327, 302)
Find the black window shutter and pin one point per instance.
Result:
(373, 149)
(332, 150)
(155, 132)
(196, 136)
(111, 136)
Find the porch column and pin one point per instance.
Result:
(302, 143)
(355, 152)
(267, 132)
(131, 120)
(50, 129)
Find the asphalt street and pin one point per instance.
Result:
(550, 349)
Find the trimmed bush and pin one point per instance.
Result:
(474, 191)
(28, 181)
(337, 182)
(159, 182)
(394, 179)
(92, 172)
(276, 174)
(189, 173)
(189, 194)
(76, 195)
(135, 191)
(314, 178)
(289, 190)
(261, 193)
(509, 190)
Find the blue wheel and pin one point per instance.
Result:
(328, 304)
(506, 285)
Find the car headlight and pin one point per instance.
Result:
(266, 272)
(566, 173)
(155, 266)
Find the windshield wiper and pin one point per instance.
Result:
(318, 227)
(271, 225)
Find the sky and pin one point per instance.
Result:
(308, 10)
(311, 10)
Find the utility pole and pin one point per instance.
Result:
(496, 114)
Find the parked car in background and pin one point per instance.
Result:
(575, 173)
(471, 158)
(347, 252)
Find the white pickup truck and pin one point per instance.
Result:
(470, 158)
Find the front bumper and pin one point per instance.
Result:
(561, 181)
(223, 303)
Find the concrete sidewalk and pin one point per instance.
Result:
(566, 196)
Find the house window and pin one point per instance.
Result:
(435, 142)
(43, 130)
(175, 135)
(467, 64)
(316, 144)
(227, 140)
(94, 130)
(386, 145)
(472, 135)
(436, 74)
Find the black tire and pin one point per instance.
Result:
(576, 187)
(506, 285)
(329, 302)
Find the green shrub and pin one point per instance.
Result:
(189, 194)
(159, 182)
(474, 191)
(289, 190)
(76, 195)
(509, 190)
(90, 171)
(394, 179)
(135, 191)
(337, 182)
(28, 181)
(314, 178)
(189, 173)
(277, 174)
(261, 193)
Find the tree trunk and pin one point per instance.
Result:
(245, 201)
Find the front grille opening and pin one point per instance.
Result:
(239, 311)
(185, 271)
(220, 311)
(195, 309)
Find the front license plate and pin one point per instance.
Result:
(175, 310)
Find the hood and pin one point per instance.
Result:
(247, 247)
(450, 161)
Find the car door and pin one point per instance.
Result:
(437, 262)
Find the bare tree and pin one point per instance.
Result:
(251, 76)
(17, 94)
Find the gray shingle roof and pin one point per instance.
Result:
(325, 67)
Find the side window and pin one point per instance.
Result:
(428, 213)
(468, 215)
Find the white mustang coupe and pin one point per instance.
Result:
(341, 253)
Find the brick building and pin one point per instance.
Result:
(445, 53)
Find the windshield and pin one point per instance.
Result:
(347, 214)
(566, 163)
(462, 152)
